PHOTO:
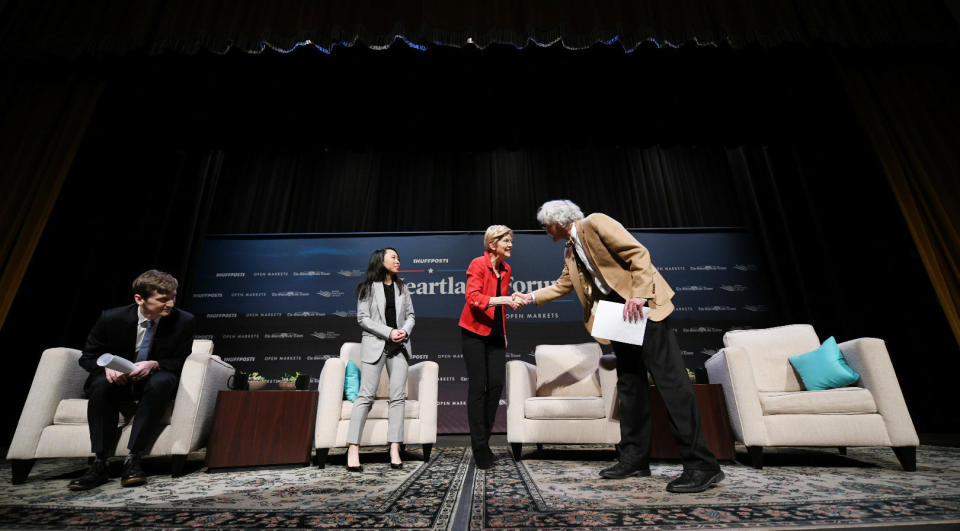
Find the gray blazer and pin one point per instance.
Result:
(376, 333)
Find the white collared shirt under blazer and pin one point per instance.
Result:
(370, 315)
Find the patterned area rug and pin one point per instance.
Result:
(558, 488)
(421, 495)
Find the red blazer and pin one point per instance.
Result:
(481, 285)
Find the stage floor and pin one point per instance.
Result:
(553, 488)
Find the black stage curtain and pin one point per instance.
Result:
(457, 139)
(118, 27)
(909, 111)
(40, 133)
(381, 191)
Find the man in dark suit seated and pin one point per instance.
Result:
(157, 338)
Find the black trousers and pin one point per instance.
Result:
(104, 401)
(660, 354)
(486, 361)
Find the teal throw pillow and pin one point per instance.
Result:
(351, 383)
(824, 368)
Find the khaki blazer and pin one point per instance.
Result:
(370, 315)
(622, 261)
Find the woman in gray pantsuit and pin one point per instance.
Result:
(385, 313)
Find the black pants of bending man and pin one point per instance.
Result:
(660, 354)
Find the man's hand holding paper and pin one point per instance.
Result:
(632, 309)
(620, 322)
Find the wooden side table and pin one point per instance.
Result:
(252, 428)
(713, 422)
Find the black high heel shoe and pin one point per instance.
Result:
(358, 468)
(397, 466)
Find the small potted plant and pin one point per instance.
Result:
(289, 381)
(256, 381)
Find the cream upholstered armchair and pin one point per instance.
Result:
(54, 418)
(768, 406)
(568, 397)
(333, 410)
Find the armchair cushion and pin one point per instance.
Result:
(842, 401)
(74, 411)
(568, 370)
(824, 368)
(767, 351)
(563, 407)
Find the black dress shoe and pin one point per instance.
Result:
(133, 475)
(95, 476)
(492, 456)
(695, 480)
(483, 459)
(608, 469)
(358, 468)
(623, 470)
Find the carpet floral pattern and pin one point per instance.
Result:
(559, 488)
(419, 496)
(556, 488)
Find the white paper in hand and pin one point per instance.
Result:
(608, 323)
(116, 363)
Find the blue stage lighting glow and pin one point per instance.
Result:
(531, 41)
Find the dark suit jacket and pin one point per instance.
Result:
(115, 332)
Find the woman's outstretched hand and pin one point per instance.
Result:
(521, 299)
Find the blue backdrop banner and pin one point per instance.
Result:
(281, 304)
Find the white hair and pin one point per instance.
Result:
(562, 211)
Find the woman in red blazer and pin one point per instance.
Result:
(483, 333)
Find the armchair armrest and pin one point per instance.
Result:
(731, 368)
(58, 376)
(869, 357)
(202, 378)
(422, 382)
(330, 402)
(521, 384)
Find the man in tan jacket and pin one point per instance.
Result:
(603, 261)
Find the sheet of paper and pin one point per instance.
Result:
(116, 363)
(608, 323)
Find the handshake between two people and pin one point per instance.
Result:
(519, 300)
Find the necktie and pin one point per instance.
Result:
(145, 344)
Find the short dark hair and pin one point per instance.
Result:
(154, 281)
